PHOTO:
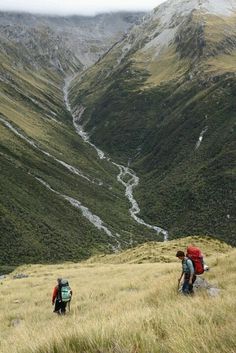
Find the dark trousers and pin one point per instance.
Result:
(188, 288)
(60, 307)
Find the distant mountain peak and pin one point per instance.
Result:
(184, 7)
(177, 22)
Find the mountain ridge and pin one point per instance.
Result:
(86, 37)
(152, 105)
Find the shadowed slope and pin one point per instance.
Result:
(163, 99)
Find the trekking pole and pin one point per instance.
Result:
(178, 285)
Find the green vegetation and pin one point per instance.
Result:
(182, 189)
(153, 117)
(38, 225)
(142, 109)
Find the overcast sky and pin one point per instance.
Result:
(84, 7)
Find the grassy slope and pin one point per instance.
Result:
(162, 252)
(122, 308)
(154, 116)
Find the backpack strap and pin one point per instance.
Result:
(188, 263)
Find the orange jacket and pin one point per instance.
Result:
(54, 294)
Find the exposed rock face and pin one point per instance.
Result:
(211, 289)
(16, 322)
(78, 37)
(20, 276)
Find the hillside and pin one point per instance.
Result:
(122, 308)
(58, 200)
(163, 252)
(162, 100)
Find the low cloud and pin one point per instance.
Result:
(82, 7)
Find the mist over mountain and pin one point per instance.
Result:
(87, 37)
(74, 7)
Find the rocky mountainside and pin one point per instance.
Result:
(86, 37)
(163, 101)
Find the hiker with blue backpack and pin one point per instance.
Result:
(61, 296)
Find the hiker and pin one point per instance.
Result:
(188, 273)
(61, 296)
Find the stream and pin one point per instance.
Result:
(126, 176)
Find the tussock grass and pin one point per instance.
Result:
(222, 63)
(218, 28)
(163, 252)
(124, 308)
(167, 66)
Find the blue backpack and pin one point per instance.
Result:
(65, 291)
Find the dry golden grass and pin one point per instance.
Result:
(125, 308)
(218, 27)
(222, 63)
(167, 66)
(163, 252)
(217, 30)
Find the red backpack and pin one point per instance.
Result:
(195, 254)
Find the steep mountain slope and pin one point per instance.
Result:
(163, 99)
(58, 200)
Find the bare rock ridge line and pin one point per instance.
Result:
(133, 180)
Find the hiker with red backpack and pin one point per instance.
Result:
(192, 265)
(61, 296)
(187, 273)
